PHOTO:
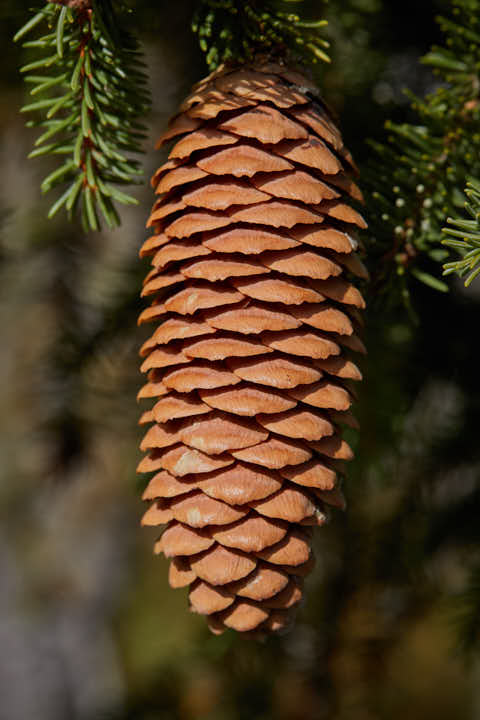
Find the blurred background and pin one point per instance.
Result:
(88, 626)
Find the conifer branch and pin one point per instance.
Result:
(235, 30)
(89, 92)
(465, 238)
(417, 177)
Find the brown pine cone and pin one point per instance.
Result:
(252, 252)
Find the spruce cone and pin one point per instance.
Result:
(251, 256)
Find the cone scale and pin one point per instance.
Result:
(255, 314)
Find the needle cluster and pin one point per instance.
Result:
(89, 95)
(235, 30)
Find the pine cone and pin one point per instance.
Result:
(251, 255)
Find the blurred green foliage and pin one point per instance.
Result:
(418, 175)
(89, 626)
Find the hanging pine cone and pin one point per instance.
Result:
(251, 254)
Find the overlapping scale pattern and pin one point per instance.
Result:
(249, 364)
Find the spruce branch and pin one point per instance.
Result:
(417, 176)
(89, 93)
(465, 237)
(236, 30)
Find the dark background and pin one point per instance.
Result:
(88, 626)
